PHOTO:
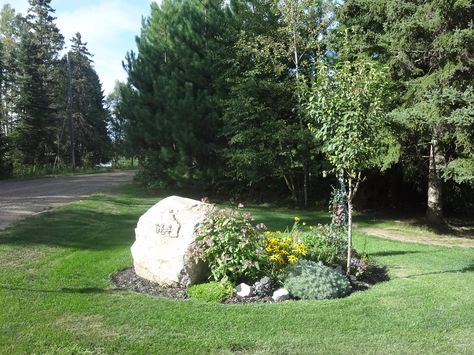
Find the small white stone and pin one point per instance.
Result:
(243, 290)
(281, 294)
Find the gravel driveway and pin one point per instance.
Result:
(20, 199)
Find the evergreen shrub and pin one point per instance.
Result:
(310, 280)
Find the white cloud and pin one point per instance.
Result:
(19, 5)
(109, 28)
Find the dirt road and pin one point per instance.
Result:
(20, 199)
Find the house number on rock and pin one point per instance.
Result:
(167, 230)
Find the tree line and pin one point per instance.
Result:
(34, 132)
(218, 94)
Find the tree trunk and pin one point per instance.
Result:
(349, 226)
(434, 211)
(305, 185)
(291, 187)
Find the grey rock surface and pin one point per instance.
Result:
(165, 237)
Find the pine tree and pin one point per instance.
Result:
(170, 97)
(37, 105)
(271, 67)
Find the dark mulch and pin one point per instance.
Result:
(127, 279)
(240, 300)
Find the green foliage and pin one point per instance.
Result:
(231, 246)
(428, 48)
(36, 106)
(268, 71)
(347, 107)
(326, 243)
(33, 89)
(282, 249)
(211, 291)
(309, 280)
(6, 166)
(363, 268)
(92, 143)
(171, 97)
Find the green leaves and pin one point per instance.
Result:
(346, 108)
(231, 246)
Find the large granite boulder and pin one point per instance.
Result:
(165, 237)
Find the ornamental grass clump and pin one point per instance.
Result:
(309, 280)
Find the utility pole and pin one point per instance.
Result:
(69, 111)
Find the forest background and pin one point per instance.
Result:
(220, 95)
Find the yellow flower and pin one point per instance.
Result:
(297, 219)
(281, 270)
(304, 223)
(275, 257)
(292, 259)
(300, 248)
(267, 234)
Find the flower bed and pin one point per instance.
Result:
(303, 262)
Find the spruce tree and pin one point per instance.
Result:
(37, 106)
(11, 25)
(92, 144)
(429, 47)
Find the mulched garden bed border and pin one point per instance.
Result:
(127, 279)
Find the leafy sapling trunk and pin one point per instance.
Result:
(352, 187)
(349, 227)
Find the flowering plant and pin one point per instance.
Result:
(231, 246)
(283, 249)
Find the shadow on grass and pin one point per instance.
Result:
(466, 269)
(463, 228)
(82, 290)
(78, 228)
(394, 252)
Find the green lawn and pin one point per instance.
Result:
(56, 296)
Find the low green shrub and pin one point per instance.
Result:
(309, 280)
(211, 291)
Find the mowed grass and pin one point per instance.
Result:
(56, 296)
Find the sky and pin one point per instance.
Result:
(108, 26)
